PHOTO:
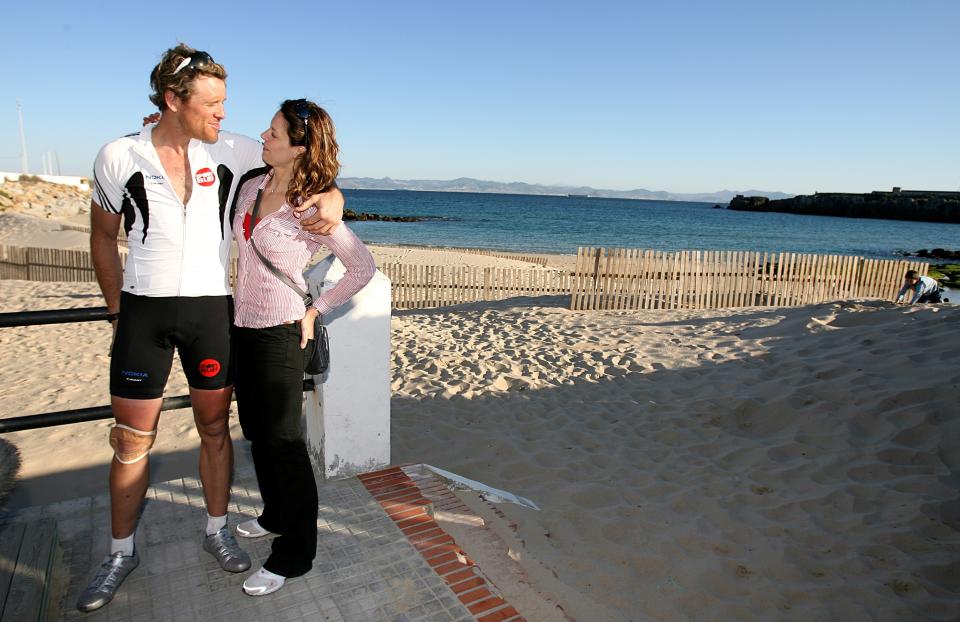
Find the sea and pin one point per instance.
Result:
(560, 224)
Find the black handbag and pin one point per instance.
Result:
(320, 358)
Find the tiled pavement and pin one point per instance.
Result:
(366, 569)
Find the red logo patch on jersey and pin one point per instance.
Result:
(205, 177)
(209, 368)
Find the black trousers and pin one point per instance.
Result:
(269, 386)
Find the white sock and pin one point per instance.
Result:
(214, 523)
(122, 545)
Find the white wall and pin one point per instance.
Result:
(348, 414)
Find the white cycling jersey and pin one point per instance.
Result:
(175, 250)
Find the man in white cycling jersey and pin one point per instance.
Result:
(172, 187)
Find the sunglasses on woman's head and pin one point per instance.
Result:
(303, 111)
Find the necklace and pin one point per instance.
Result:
(277, 188)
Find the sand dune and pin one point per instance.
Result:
(755, 464)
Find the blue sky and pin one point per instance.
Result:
(682, 96)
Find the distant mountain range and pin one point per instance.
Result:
(467, 184)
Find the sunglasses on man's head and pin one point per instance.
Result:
(198, 60)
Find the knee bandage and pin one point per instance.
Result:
(129, 444)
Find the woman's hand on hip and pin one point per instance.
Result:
(306, 326)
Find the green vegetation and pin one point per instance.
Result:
(947, 273)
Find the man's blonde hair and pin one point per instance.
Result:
(165, 76)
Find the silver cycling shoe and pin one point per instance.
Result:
(224, 547)
(105, 583)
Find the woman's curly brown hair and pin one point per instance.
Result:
(316, 170)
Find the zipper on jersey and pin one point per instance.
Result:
(183, 206)
(183, 247)
(183, 228)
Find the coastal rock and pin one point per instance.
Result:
(937, 253)
(349, 214)
(930, 206)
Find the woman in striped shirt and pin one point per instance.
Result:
(274, 333)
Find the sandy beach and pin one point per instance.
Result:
(748, 464)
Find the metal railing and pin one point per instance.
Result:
(78, 415)
(59, 316)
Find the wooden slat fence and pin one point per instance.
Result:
(603, 278)
(620, 278)
(47, 264)
(419, 287)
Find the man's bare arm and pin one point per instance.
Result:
(329, 213)
(104, 228)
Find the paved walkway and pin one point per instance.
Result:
(366, 569)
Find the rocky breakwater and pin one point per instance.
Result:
(349, 214)
(33, 197)
(931, 206)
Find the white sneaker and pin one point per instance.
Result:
(262, 582)
(251, 529)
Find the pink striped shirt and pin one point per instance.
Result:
(261, 299)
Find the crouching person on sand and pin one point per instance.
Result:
(922, 288)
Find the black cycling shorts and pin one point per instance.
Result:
(148, 330)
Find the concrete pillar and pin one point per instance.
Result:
(348, 414)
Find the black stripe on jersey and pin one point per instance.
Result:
(102, 199)
(98, 197)
(226, 181)
(255, 172)
(137, 192)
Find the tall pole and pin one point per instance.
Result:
(24, 165)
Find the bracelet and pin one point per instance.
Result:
(113, 316)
